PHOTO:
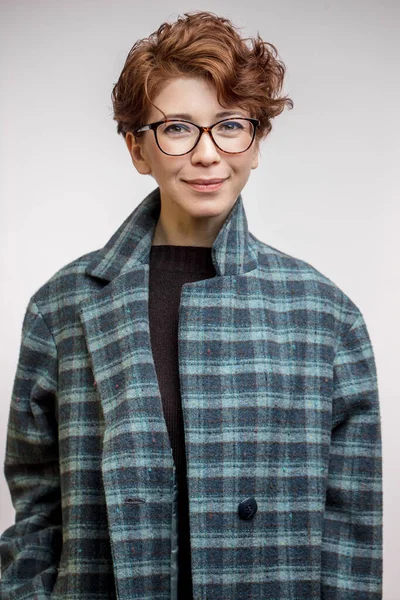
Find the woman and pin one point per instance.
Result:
(195, 414)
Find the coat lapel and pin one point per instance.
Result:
(137, 464)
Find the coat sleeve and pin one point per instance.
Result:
(30, 549)
(352, 532)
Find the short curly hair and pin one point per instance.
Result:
(246, 72)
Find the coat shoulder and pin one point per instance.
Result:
(70, 285)
(298, 278)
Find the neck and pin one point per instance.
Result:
(198, 232)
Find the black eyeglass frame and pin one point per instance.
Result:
(154, 126)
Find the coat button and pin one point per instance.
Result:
(247, 508)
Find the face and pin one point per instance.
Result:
(197, 98)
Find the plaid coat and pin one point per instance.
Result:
(280, 404)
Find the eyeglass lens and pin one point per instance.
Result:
(231, 135)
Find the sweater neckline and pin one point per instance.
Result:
(181, 258)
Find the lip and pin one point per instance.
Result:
(205, 181)
(206, 185)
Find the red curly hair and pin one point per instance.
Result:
(246, 72)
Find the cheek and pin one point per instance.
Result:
(157, 161)
(173, 168)
(158, 168)
(242, 165)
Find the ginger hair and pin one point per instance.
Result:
(246, 72)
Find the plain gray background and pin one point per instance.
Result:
(326, 189)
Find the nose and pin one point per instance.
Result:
(205, 151)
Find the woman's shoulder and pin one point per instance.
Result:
(291, 276)
(69, 284)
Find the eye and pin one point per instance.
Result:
(175, 128)
(232, 124)
(228, 126)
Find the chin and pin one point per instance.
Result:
(208, 205)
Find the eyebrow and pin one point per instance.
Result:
(220, 115)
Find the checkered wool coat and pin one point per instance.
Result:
(280, 403)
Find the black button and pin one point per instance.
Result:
(247, 508)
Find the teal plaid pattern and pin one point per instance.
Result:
(280, 402)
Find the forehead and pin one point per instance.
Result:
(191, 98)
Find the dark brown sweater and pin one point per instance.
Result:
(170, 268)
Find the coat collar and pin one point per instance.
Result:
(130, 245)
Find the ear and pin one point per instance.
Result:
(256, 151)
(137, 154)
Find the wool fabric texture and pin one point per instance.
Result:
(280, 403)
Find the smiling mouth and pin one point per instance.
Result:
(206, 187)
(205, 181)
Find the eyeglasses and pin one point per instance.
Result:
(176, 137)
